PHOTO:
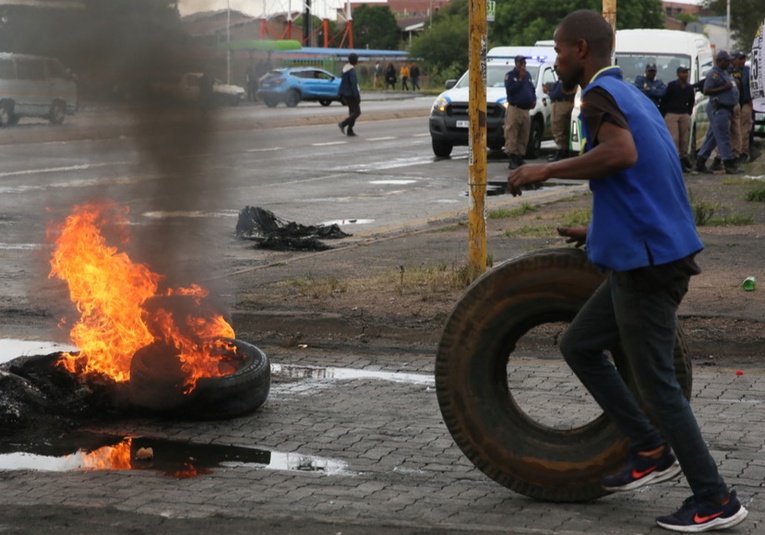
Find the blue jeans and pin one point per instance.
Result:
(645, 321)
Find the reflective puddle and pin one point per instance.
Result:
(342, 222)
(320, 372)
(11, 348)
(87, 451)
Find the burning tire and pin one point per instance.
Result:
(156, 383)
(472, 374)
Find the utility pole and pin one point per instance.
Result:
(477, 152)
(609, 13)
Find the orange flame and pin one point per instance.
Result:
(110, 293)
(117, 457)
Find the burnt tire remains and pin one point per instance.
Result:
(158, 386)
(478, 407)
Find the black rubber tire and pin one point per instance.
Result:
(57, 112)
(473, 393)
(325, 102)
(292, 99)
(243, 391)
(271, 102)
(535, 138)
(442, 149)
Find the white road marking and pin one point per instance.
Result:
(269, 149)
(386, 138)
(79, 167)
(329, 143)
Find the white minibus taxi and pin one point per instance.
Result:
(668, 49)
(35, 86)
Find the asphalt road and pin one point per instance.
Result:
(185, 176)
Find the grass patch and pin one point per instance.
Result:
(451, 228)
(730, 220)
(504, 213)
(576, 218)
(756, 194)
(318, 288)
(532, 231)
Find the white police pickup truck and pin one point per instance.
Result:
(449, 120)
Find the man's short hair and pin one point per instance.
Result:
(353, 58)
(519, 59)
(650, 67)
(591, 27)
(682, 68)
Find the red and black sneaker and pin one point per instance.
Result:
(697, 515)
(641, 470)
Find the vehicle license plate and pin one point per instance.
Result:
(463, 124)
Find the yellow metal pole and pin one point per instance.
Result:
(609, 12)
(477, 154)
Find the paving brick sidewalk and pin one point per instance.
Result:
(395, 463)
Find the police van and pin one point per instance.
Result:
(35, 86)
(449, 116)
(668, 49)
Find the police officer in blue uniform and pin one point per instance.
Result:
(723, 97)
(521, 97)
(650, 86)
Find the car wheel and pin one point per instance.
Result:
(271, 102)
(535, 138)
(292, 99)
(6, 113)
(442, 149)
(156, 385)
(57, 112)
(325, 102)
(475, 364)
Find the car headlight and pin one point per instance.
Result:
(439, 106)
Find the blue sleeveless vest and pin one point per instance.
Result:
(640, 216)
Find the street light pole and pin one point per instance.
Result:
(228, 41)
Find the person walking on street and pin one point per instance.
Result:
(742, 74)
(404, 72)
(349, 91)
(390, 77)
(252, 83)
(642, 234)
(414, 74)
(378, 74)
(562, 104)
(723, 98)
(677, 107)
(650, 86)
(521, 97)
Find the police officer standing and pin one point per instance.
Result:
(561, 106)
(723, 98)
(650, 86)
(521, 97)
(741, 73)
(677, 107)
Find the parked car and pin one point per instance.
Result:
(35, 86)
(295, 84)
(449, 120)
(186, 89)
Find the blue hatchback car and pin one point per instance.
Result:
(295, 84)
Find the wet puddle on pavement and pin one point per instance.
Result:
(11, 348)
(322, 372)
(89, 451)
